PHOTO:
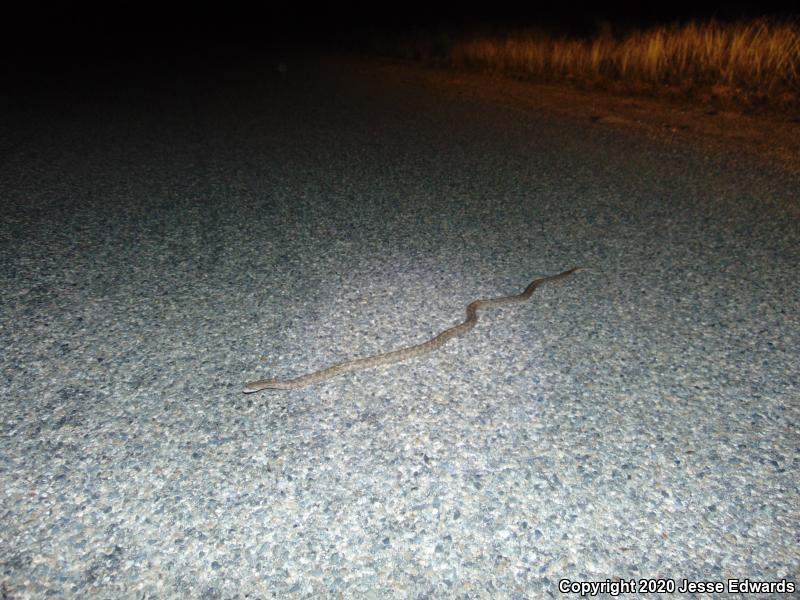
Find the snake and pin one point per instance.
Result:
(402, 354)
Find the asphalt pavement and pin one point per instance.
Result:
(170, 235)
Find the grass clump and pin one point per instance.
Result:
(749, 64)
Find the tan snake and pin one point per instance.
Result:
(394, 356)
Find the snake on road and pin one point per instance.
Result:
(395, 356)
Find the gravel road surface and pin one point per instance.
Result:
(167, 237)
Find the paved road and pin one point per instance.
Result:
(168, 236)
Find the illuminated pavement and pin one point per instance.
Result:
(166, 240)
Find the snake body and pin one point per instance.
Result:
(402, 354)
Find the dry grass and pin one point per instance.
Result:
(749, 64)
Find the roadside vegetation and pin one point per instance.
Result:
(746, 66)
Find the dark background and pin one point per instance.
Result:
(39, 36)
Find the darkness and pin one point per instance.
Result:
(39, 36)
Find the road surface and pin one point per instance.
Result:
(170, 235)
